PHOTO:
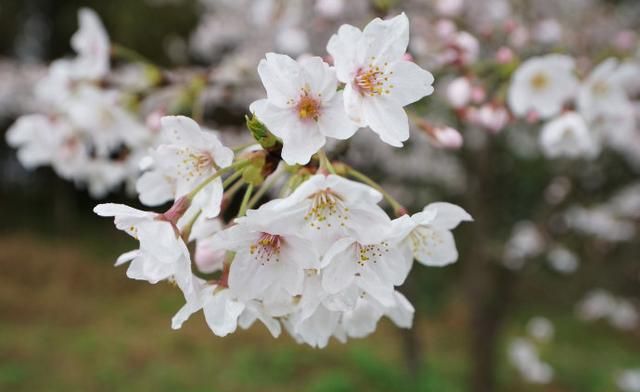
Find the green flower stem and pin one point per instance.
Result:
(231, 179)
(325, 163)
(231, 191)
(234, 166)
(125, 53)
(397, 207)
(245, 200)
(241, 147)
(186, 230)
(265, 187)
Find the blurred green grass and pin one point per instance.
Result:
(70, 321)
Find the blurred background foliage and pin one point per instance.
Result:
(70, 321)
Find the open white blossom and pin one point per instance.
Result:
(221, 310)
(600, 304)
(375, 268)
(542, 85)
(302, 106)
(603, 92)
(39, 139)
(379, 81)
(524, 357)
(563, 260)
(162, 253)
(325, 209)
(629, 380)
(428, 233)
(185, 158)
(99, 113)
(266, 259)
(568, 136)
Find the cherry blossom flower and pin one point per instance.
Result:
(162, 252)
(379, 82)
(325, 209)
(493, 117)
(543, 85)
(428, 233)
(186, 157)
(91, 42)
(221, 310)
(603, 92)
(44, 140)
(629, 380)
(524, 357)
(568, 136)
(375, 267)
(98, 113)
(302, 106)
(38, 138)
(446, 137)
(265, 258)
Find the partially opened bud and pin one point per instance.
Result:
(441, 136)
(450, 7)
(445, 28)
(447, 137)
(209, 257)
(504, 55)
(478, 94)
(491, 116)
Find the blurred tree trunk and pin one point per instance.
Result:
(488, 284)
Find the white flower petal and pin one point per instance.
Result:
(447, 215)
(386, 118)
(386, 40)
(282, 78)
(410, 82)
(334, 121)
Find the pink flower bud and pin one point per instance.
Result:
(153, 120)
(459, 92)
(445, 28)
(625, 40)
(446, 137)
(208, 257)
(510, 25)
(492, 117)
(330, 8)
(478, 94)
(467, 46)
(504, 55)
(519, 38)
(449, 7)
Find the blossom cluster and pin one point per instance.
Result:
(524, 351)
(324, 259)
(544, 87)
(86, 132)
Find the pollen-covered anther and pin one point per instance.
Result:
(539, 81)
(425, 239)
(370, 253)
(194, 163)
(327, 209)
(308, 107)
(373, 80)
(266, 249)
